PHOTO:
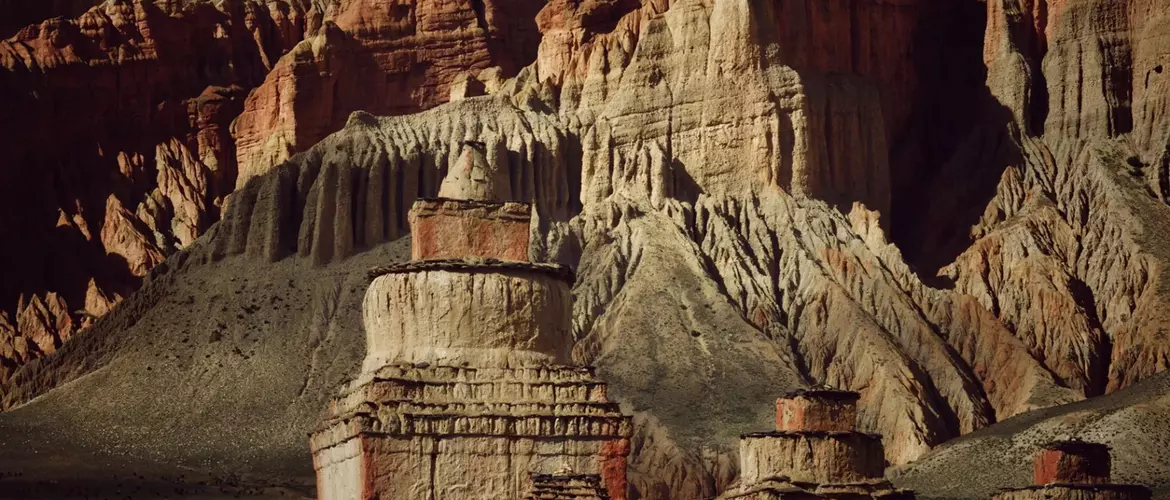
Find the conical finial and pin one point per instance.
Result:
(474, 178)
(564, 470)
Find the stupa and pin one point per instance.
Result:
(815, 452)
(467, 390)
(1073, 470)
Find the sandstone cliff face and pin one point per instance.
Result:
(804, 96)
(1072, 224)
(750, 158)
(383, 58)
(680, 183)
(1070, 252)
(115, 132)
(771, 294)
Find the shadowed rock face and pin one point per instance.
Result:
(722, 176)
(117, 124)
(383, 58)
(15, 14)
(117, 149)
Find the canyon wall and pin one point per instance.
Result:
(385, 58)
(118, 124)
(117, 151)
(1074, 223)
(962, 225)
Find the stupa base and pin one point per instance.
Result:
(1076, 492)
(409, 432)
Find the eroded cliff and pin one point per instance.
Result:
(117, 151)
(119, 136)
(723, 176)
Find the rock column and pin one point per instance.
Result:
(467, 390)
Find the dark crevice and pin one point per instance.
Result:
(573, 154)
(1038, 102)
(799, 363)
(951, 115)
(358, 180)
(684, 187)
(1120, 85)
(385, 200)
(1038, 106)
(433, 457)
(480, 14)
(1101, 353)
(289, 219)
(1162, 174)
(399, 205)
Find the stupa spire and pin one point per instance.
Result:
(475, 178)
(474, 216)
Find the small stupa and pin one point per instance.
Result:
(467, 390)
(815, 452)
(1073, 469)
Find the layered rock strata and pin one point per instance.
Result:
(726, 339)
(116, 146)
(383, 58)
(815, 453)
(769, 289)
(811, 295)
(1074, 470)
(469, 395)
(123, 121)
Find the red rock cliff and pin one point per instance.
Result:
(117, 152)
(384, 58)
(119, 128)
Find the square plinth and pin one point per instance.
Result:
(813, 411)
(1072, 463)
(1076, 492)
(452, 229)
